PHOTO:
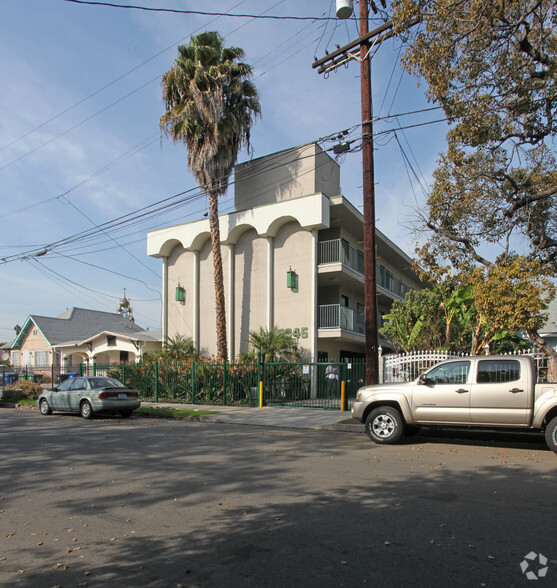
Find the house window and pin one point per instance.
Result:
(15, 358)
(111, 340)
(35, 332)
(41, 358)
(344, 300)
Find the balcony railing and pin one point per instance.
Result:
(335, 316)
(338, 251)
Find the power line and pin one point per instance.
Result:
(199, 12)
(111, 83)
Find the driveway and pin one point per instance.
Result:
(147, 502)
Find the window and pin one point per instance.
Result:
(16, 358)
(35, 332)
(498, 370)
(41, 358)
(344, 300)
(455, 372)
(111, 340)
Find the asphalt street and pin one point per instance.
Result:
(151, 502)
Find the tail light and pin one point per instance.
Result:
(129, 394)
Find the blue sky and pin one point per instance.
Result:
(80, 143)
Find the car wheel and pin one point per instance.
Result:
(86, 410)
(551, 435)
(44, 407)
(126, 413)
(384, 425)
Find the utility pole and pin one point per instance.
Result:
(369, 202)
(337, 58)
(325, 64)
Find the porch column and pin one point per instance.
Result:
(230, 324)
(315, 309)
(270, 311)
(195, 305)
(164, 325)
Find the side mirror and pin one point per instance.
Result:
(425, 381)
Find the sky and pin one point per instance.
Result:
(85, 172)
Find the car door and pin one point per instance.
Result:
(77, 389)
(59, 399)
(502, 394)
(442, 395)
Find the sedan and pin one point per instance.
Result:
(89, 396)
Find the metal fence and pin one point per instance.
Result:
(405, 367)
(231, 384)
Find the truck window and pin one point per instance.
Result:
(498, 370)
(455, 372)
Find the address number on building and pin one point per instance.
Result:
(298, 332)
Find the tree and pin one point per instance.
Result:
(275, 343)
(491, 215)
(178, 348)
(210, 106)
(442, 317)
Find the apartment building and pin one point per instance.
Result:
(292, 258)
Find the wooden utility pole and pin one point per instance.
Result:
(336, 58)
(369, 202)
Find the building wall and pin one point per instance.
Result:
(181, 272)
(250, 287)
(294, 309)
(32, 342)
(289, 174)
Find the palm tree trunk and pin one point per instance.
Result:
(548, 350)
(222, 347)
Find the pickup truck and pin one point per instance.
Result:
(478, 391)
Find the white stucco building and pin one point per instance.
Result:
(292, 258)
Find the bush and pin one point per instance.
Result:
(22, 389)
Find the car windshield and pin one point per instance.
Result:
(105, 383)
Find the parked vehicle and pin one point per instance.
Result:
(479, 391)
(89, 396)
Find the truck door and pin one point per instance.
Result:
(443, 395)
(501, 394)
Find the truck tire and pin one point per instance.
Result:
(551, 434)
(384, 425)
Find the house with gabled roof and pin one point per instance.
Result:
(79, 335)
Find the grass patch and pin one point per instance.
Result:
(171, 413)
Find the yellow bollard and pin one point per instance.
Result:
(261, 394)
(342, 395)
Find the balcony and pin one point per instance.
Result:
(335, 316)
(338, 251)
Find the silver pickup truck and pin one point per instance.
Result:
(478, 391)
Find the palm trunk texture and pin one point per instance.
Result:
(222, 347)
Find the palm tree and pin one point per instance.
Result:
(275, 343)
(210, 106)
(178, 348)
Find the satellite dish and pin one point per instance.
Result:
(5, 356)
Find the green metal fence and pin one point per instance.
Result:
(232, 384)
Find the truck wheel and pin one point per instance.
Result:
(551, 435)
(384, 425)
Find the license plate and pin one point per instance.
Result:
(122, 396)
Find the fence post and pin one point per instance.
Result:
(123, 373)
(193, 382)
(260, 366)
(157, 380)
(381, 365)
(344, 370)
(224, 362)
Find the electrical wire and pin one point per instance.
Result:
(197, 12)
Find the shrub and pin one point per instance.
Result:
(23, 389)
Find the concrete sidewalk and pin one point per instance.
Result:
(272, 416)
